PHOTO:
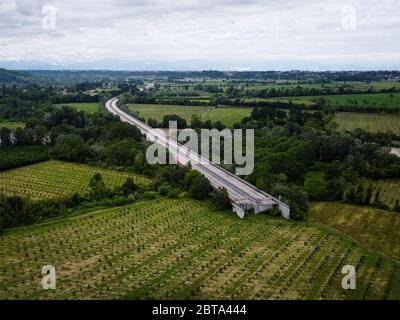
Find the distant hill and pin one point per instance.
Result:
(13, 77)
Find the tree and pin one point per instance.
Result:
(220, 199)
(70, 147)
(397, 206)
(129, 187)
(296, 197)
(351, 195)
(190, 176)
(97, 185)
(368, 195)
(316, 185)
(5, 137)
(152, 123)
(121, 152)
(181, 123)
(200, 188)
(40, 134)
(359, 195)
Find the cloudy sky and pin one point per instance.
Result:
(200, 34)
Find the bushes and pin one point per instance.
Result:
(316, 185)
(201, 188)
(220, 199)
(14, 157)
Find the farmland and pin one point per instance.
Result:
(389, 100)
(183, 249)
(377, 229)
(54, 179)
(228, 116)
(89, 107)
(390, 190)
(157, 112)
(11, 124)
(369, 121)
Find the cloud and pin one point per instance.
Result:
(193, 33)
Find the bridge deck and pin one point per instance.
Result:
(243, 195)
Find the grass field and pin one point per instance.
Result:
(369, 121)
(377, 229)
(228, 116)
(89, 107)
(182, 249)
(11, 124)
(391, 100)
(158, 111)
(54, 179)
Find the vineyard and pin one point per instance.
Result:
(54, 179)
(377, 229)
(182, 249)
(390, 190)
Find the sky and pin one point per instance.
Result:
(235, 35)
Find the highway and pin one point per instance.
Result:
(242, 194)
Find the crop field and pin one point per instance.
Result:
(11, 124)
(55, 179)
(158, 111)
(390, 190)
(183, 249)
(368, 121)
(89, 107)
(228, 116)
(390, 100)
(374, 228)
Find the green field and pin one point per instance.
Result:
(374, 228)
(228, 116)
(368, 121)
(390, 100)
(11, 124)
(55, 179)
(158, 111)
(89, 107)
(183, 249)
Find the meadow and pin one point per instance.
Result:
(55, 179)
(374, 228)
(89, 107)
(183, 249)
(372, 100)
(158, 111)
(228, 116)
(371, 122)
(11, 124)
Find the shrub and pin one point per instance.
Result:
(200, 188)
(220, 199)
